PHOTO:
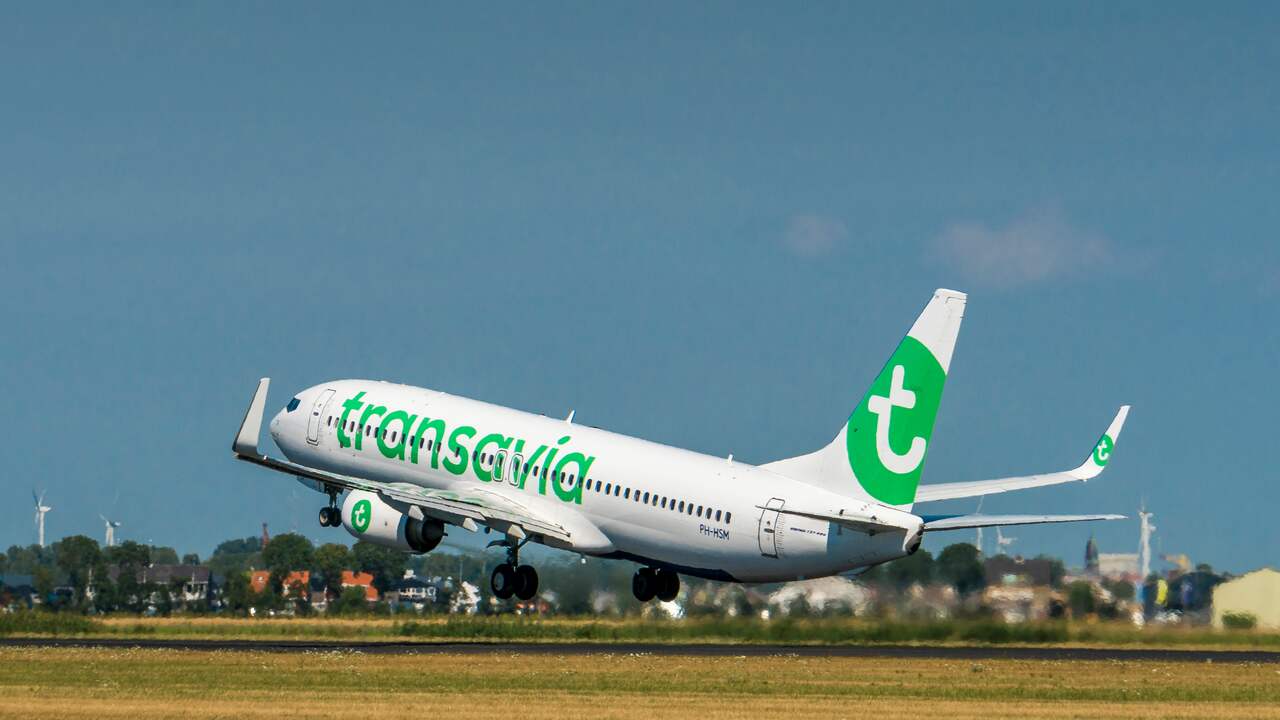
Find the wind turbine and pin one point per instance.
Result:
(1001, 541)
(111, 529)
(41, 510)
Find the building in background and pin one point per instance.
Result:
(1256, 594)
(1119, 566)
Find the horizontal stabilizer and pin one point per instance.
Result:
(1089, 469)
(961, 522)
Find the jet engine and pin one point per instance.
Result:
(368, 517)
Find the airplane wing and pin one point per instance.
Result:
(464, 509)
(961, 522)
(1089, 469)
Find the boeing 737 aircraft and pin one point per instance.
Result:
(411, 461)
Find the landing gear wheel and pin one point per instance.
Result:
(644, 584)
(668, 585)
(526, 582)
(503, 581)
(329, 518)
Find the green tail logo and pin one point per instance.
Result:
(889, 432)
(1102, 453)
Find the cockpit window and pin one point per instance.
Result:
(293, 405)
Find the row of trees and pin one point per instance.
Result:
(79, 562)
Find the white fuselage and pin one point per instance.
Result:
(655, 504)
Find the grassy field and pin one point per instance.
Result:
(163, 683)
(512, 628)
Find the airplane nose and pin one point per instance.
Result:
(275, 425)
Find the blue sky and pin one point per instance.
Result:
(705, 226)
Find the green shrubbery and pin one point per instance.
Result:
(786, 630)
(1239, 621)
(38, 622)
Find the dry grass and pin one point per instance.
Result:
(161, 683)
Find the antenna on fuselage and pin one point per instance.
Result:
(570, 418)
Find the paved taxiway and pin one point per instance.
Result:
(709, 649)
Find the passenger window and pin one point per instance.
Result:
(728, 518)
(607, 488)
(626, 494)
(570, 480)
(681, 506)
(717, 516)
(699, 511)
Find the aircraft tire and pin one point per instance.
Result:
(644, 584)
(503, 581)
(526, 582)
(326, 517)
(668, 585)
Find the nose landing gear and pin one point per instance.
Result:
(511, 578)
(649, 583)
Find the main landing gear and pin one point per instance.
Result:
(649, 583)
(512, 578)
(331, 516)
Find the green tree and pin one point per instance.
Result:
(42, 579)
(1080, 599)
(238, 594)
(191, 559)
(915, 568)
(242, 546)
(386, 564)
(77, 556)
(1119, 589)
(330, 560)
(25, 560)
(131, 558)
(284, 554)
(959, 565)
(351, 602)
(129, 553)
(1056, 570)
(164, 556)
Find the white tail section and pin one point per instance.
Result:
(879, 454)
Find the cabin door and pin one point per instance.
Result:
(769, 527)
(317, 416)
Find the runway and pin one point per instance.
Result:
(945, 652)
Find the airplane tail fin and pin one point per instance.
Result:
(879, 453)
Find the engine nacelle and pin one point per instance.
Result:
(368, 517)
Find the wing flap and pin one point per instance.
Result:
(1089, 469)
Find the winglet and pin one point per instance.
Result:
(1101, 455)
(246, 442)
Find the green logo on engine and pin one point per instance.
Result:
(889, 432)
(361, 514)
(1102, 453)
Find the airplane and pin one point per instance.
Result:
(412, 461)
